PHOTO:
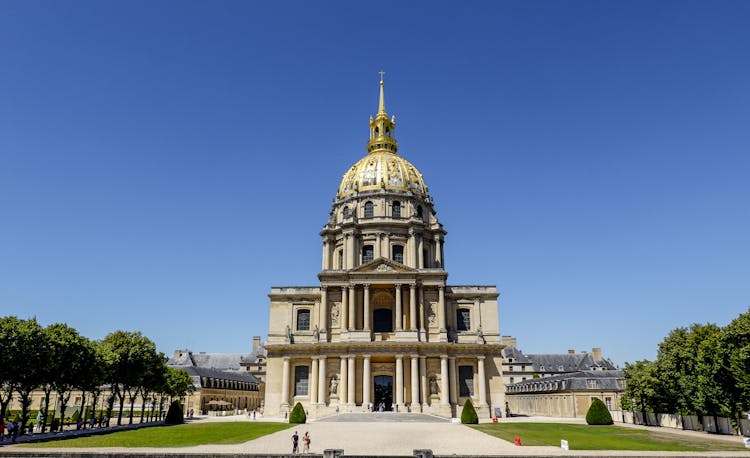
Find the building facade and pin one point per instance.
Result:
(383, 329)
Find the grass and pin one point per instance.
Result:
(172, 436)
(584, 437)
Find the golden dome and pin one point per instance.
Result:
(382, 170)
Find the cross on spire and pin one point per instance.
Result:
(381, 72)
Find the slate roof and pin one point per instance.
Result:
(197, 373)
(576, 381)
(219, 361)
(516, 354)
(569, 362)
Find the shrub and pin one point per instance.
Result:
(174, 414)
(298, 414)
(75, 417)
(469, 414)
(598, 413)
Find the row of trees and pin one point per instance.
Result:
(56, 358)
(700, 370)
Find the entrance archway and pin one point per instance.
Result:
(383, 392)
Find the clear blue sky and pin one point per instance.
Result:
(163, 164)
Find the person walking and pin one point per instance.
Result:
(306, 442)
(295, 443)
(2, 429)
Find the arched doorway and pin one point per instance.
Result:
(383, 392)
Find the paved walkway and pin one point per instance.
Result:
(383, 434)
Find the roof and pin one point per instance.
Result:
(220, 361)
(196, 373)
(516, 354)
(574, 381)
(567, 362)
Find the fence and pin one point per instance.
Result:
(708, 423)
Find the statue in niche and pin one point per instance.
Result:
(288, 332)
(334, 386)
(433, 385)
(334, 315)
(316, 333)
(432, 314)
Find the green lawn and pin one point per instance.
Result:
(584, 437)
(173, 436)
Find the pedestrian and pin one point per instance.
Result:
(306, 442)
(295, 442)
(2, 429)
(16, 428)
(92, 422)
(254, 414)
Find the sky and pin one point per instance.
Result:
(164, 163)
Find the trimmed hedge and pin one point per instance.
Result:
(174, 414)
(298, 414)
(469, 414)
(598, 413)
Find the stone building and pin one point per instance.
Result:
(383, 328)
(519, 367)
(566, 395)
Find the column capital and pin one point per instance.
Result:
(322, 357)
(323, 287)
(480, 357)
(413, 355)
(352, 357)
(441, 287)
(351, 286)
(367, 356)
(397, 285)
(398, 357)
(286, 359)
(452, 358)
(366, 286)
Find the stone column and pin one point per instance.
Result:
(444, 386)
(285, 381)
(387, 246)
(454, 379)
(399, 380)
(413, 307)
(352, 374)
(477, 313)
(352, 307)
(438, 251)
(323, 309)
(482, 382)
(344, 308)
(322, 387)
(399, 312)
(352, 252)
(412, 249)
(313, 389)
(377, 246)
(420, 253)
(422, 324)
(325, 255)
(366, 381)
(366, 308)
(423, 379)
(414, 382)
(343, 381)
(345, 249)
(441, 307)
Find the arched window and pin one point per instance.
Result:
(341, 259)
(398, 253)
(396, 212)
(303, 320)
(382, 320)
(420, 212)
(368, 209)
(347, 212)
(463, 319)
(367, 253)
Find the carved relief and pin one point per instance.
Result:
(432, 317)
(382, 299)
(384, 268)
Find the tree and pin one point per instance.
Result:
(9, 328)
(598, 414)
(28, 363)
(70, 355)
(469, 414)
(641, 386)
(298, 414)
(737, 343)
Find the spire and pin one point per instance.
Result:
(381, 105)
(382, 129)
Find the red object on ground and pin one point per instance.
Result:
(517, 440)
(494, 419)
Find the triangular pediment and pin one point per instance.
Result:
(383, 265)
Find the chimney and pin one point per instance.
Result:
(509, 341)
(596, 353)
(256, 343)
(571, 352)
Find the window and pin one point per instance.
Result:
(382, 320)
(465, 381)
(367, 253)
(463, 319)
(368, 210)
(420, 211)
(301, 380)
(512, 368)
(511, 380)
(398, 253)
(608, 402)
(591, 383)
(396, 209)
(347, 212)
(303, 320)
(341, 259)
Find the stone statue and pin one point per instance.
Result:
(433, 385)
(316, 333)
(288, 332)
(333, 389)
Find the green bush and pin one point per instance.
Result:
(469, 414)
(174, 414)
(75, 417)
(298, 414)
(598, 413)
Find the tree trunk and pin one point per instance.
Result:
(143, 404)
(94, 400)
(110, 403)
(121, 398)
(45, 413)
(81, 413)
(64, 398)
(25, 403)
